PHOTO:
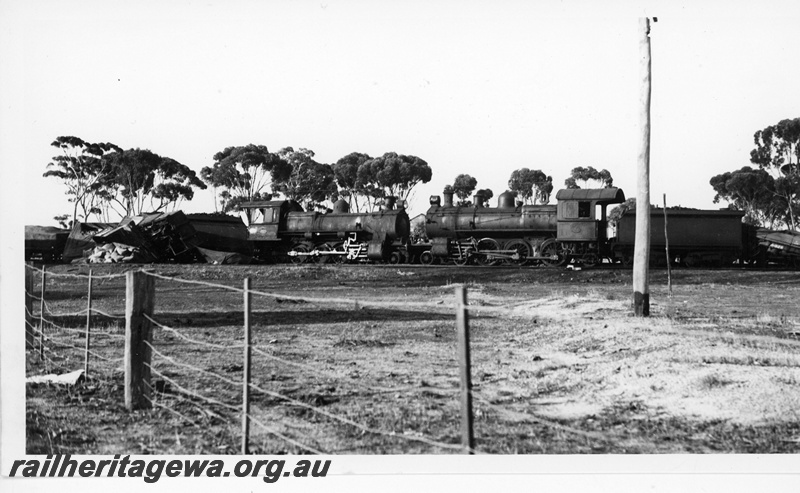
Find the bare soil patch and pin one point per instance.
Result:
(559, 364)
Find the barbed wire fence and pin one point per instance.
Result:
(159, 371)
(54, 337)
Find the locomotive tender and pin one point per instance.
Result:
(696, 238)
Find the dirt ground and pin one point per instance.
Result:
(365, 362)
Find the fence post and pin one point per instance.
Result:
(246, 367)
(462, 330)
(29, 341)
(139, 301)
(41, 313)
(88, 327)
(666, 247)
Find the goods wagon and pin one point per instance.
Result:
(45, 243)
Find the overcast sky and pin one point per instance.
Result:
(472, 87)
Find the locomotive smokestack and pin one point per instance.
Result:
(448, 196)
(478, 200)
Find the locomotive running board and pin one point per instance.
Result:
(512, 255)
(313, 253)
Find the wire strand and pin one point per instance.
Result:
(284, 437)
(354, 423)
(193, 341)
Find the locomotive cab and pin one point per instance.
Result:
(266, 219)
(582, 220)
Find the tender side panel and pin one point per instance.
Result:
(687, 229)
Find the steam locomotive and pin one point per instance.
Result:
(281, 229)
(574, 229)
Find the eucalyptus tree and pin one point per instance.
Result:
(345, 172)
(139, 181)
(82, 169)
(243, 174)
(589, 177)
(533, 186)
(778, 152)
(309, 182)
(392, 174)
(752, 191)
(463, 187)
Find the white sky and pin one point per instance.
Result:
(472, 87)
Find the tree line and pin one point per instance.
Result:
(103, 180)
(531, 186)
(769, 194)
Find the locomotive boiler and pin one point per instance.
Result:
(281, 228)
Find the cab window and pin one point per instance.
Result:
(584, 209)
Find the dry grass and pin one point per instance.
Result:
(559, 366)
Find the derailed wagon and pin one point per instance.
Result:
(782, 247)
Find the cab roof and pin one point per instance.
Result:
(609, 195)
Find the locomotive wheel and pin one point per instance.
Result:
(627, 260)
(426, 258)
(463, 259)
(323, 259)
(484, 259)
(590, 260)
(300, 259)
(523, 250)
(338, 259)
(550, 249)
(691, 260)
(396, 258)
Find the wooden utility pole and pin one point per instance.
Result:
(139, 301)
(641, 250)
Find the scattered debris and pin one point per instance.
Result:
(161, 237)
(71, 379)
